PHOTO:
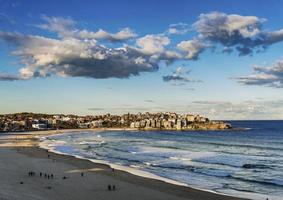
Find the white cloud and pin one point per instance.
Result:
(122, 35)
(153, 44)
(178, 29)
(155, 47)
(65, 27)
(271, 76)
(192, 47)
(43, 57)
(243, 34)
(211, 24)
(82, 53)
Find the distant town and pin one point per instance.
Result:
(141, 121)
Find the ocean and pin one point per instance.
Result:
(246, 163)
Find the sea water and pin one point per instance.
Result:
(246, 163)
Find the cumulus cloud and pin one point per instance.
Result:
(192, 47)
(122, 35)
(153, 44)
(179, 77)
(77, 58)
(82, 53)
(271, 76)
(243, 34)
(228, 26)
(178, 29)
(65, 27)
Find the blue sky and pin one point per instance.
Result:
(93, 57)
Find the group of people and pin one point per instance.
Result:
(31, 173)
(48, 176)
(113, 187)
(51, 176)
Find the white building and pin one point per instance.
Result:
(39, 126)
(97, 123)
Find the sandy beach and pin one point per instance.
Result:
(20, 154)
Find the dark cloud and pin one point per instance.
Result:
(271, 76)
(78, 53)
(8, 77)
(76, 58)
(179, 77)
(84, 53)
(243, 34)
(174, 77)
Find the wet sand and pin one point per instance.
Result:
(20, 154)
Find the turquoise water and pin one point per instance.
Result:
(241, 163)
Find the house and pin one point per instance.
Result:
(39, 126)
(190, 118)
(96, 123)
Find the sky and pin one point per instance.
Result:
(221, 59)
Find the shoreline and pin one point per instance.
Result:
(178, 189)
(50, 131)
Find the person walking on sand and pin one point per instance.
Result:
(109, 187)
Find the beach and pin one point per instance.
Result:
(20, 154)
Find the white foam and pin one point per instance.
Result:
(178, 158)
(136, 169)
(254, 196)
(131, 170)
